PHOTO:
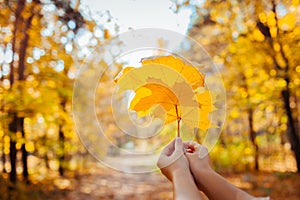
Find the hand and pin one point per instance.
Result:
(197, 156)
(207, 180)
(175, 166)
(172, 160)
(199, 161)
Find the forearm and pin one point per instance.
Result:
(218, 188)
(184, 186)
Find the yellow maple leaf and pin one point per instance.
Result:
(195, 78)
(206, 106)
(153, 94)
(168, 88)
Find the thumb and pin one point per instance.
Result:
(178, 144)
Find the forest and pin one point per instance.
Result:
(58, 67)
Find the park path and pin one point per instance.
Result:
(102, 183)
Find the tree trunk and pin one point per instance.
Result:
(13, 128)
(61, 157)
(252, 138)
(24, 152)
(3, 157)
(61, 138)
(21, 77)
(46, 159)
(292, 133)
(3, 126)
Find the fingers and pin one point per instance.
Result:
(203, 152)
(169, 149)
(188, 147)
(190, 144)
(178, 144)
(191, 147)
(175, 144)
(171, 153)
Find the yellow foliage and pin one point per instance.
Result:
(258, 35)
(29, 147)
(249, 72)
(6, 150)
(35, 21)
(106, 34)
(273, 31)
(6, 139)
(288, 22)
(262, 17)
(273, 72)
(18, 145)
(219, 12)
(276, 47)
(280, 60)
(51, 84)
(171, 89)
(271, 19)
(7, 38)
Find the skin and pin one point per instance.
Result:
(211, 183)
(175, 166)
(187, 165)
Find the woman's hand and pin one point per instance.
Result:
(172, 160)
(175, 166)
(207, 180)
(197, 156)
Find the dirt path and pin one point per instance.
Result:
(104, 183)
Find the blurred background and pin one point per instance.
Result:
(43, 44)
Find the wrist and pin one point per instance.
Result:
(202, 172)
(181, 172)
(201, 175)
(201, 169)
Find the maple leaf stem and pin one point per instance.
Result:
(178, 127)
(178, 121)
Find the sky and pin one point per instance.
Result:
(135, 14)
